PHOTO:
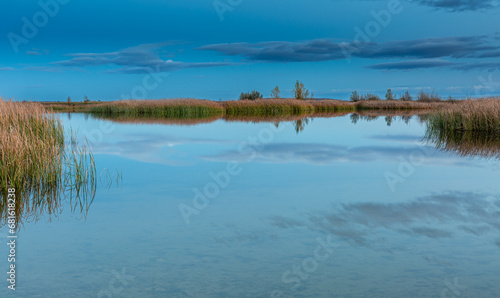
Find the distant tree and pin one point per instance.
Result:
(389, 95)
(406, 96)
(370, 96)
(300, 92)
(275, 93)
(86, 99)
(252, 95)
(69, 99)
(426, 97)
(354, 96)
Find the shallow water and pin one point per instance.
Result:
(337, 210)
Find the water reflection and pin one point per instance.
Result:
(369, 224)
(69, 180)
(301, 124)
(389, 116)
(299, 121)
(465, 143)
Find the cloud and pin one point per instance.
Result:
(436, 63)
(7, 69)
(33, 53)
(328, 49)
(143, 58)
(412, 64)
(490, 66)
(45, 68)
(459, 5)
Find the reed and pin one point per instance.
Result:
(177, 108)
(197, 108)
(476, 115)
(267, 107)
(36, 161)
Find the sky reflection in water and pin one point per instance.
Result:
(435, 231)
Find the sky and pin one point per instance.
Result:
(216, 49)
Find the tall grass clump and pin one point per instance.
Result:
(477, 115)
(35, 160)
(176, 108)
(267, 107)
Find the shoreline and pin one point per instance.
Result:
(200, 108)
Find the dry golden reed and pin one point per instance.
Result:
(34, 161)
(481, 115)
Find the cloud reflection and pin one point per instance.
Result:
(436, 217)
(158, 149)
(321, 154)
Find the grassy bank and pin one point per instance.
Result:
(471, 128)
(35, 160)
(180, 108)
(196, 108)
(477, 115)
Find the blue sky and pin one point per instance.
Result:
(210, 49)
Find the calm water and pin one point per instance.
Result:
(250, 210)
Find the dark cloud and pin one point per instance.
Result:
(459, 5)
(144, 58)
(490, 66)
(430, 232)
(327, 49)
(476, 230)
(434, 217)
(436, 63)
(412, 64)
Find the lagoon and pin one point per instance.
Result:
(334, 209)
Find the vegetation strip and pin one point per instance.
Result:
(197, 108)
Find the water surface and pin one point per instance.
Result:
(336, 210)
